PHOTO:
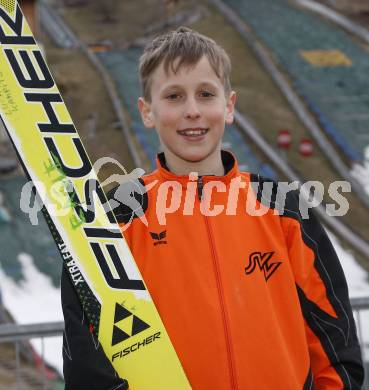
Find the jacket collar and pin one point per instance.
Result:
(228, 159)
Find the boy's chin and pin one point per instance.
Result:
(193, 157)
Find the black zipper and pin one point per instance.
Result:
(200, 186)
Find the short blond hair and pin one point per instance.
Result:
(189, 47)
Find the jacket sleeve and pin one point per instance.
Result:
(322, 289)
(86, 366)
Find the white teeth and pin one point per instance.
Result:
(193, 132)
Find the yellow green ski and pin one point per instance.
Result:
(102, 269)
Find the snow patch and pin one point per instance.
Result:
(357, 278)
(35, 300)
(358, 285)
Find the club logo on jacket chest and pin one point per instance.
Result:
(264, 263)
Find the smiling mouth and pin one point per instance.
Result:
(193, 132)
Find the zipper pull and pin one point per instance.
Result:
(200, 185)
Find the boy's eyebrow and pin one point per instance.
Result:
(208, 84)
(202, 84)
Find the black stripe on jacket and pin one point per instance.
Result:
(337, 336)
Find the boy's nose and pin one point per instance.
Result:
(192, 110)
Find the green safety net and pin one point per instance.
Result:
(336, 91)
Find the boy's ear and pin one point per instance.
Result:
(146, 114)
(231, 101)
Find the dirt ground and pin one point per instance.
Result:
(88, 103)
(353, 7)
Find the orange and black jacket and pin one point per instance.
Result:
(249, 302)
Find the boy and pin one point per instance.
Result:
(249, 302)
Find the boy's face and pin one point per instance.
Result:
(189, 110)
